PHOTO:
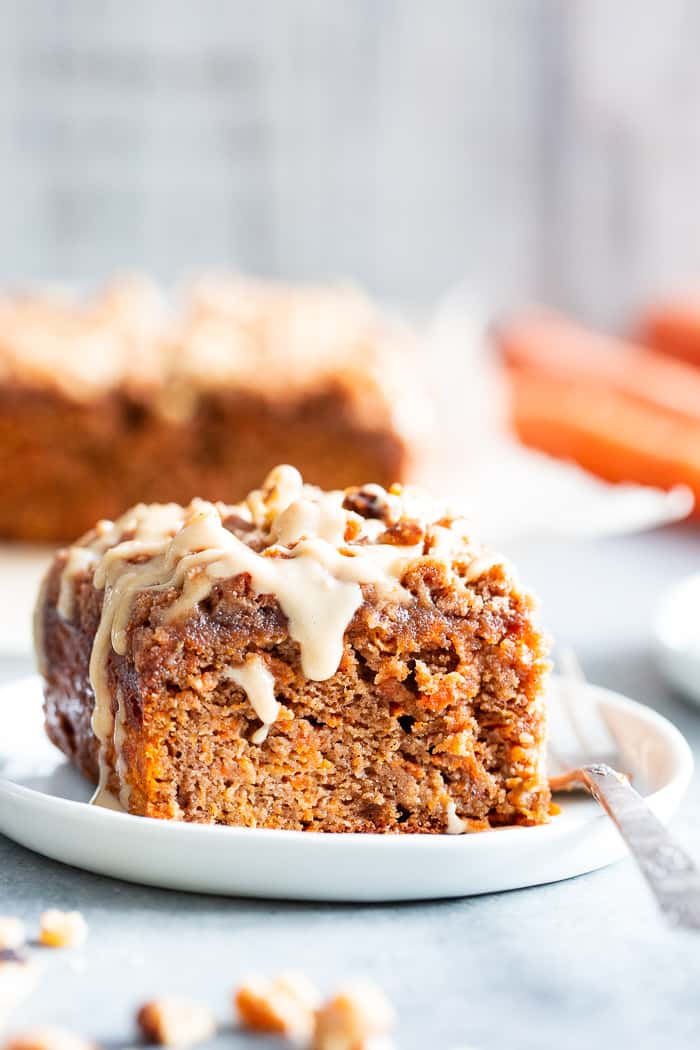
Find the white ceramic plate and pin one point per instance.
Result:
(677, 637)
(43, 806)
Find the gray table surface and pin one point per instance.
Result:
(583, 963)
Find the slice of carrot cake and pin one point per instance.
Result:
(330, 661)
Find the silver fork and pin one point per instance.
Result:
(587, 754)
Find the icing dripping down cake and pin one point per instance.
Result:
(331, 661)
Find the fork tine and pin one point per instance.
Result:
(596, 739)
(556, 763)
(572, 675)
(562, 741)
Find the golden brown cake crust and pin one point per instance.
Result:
(435, 715)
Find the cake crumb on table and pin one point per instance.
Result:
(12, 932)
(358, 1017)
(62, 929)
(47, 1038)
(285, 1005)
(176, 1022)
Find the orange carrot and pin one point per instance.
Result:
(624, 413)
(550, 344)
(673, 328)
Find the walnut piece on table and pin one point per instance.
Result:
(358, 1017)
(284, 1005)
(176, 1022)
(62, 929)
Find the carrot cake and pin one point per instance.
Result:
(123, 398)
(333, 661)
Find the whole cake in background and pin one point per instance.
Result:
(124, 397)
(331, 661)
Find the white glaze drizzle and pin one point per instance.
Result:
(106, 799)
(151, 528)
(78, 560)
(315, 573)
(454, 825)
(258, 683)
(324, 518)
(120, 765)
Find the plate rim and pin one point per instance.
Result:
(682, 765)
(678, 664)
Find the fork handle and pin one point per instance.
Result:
(670, 872)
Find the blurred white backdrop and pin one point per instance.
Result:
(546, 148)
